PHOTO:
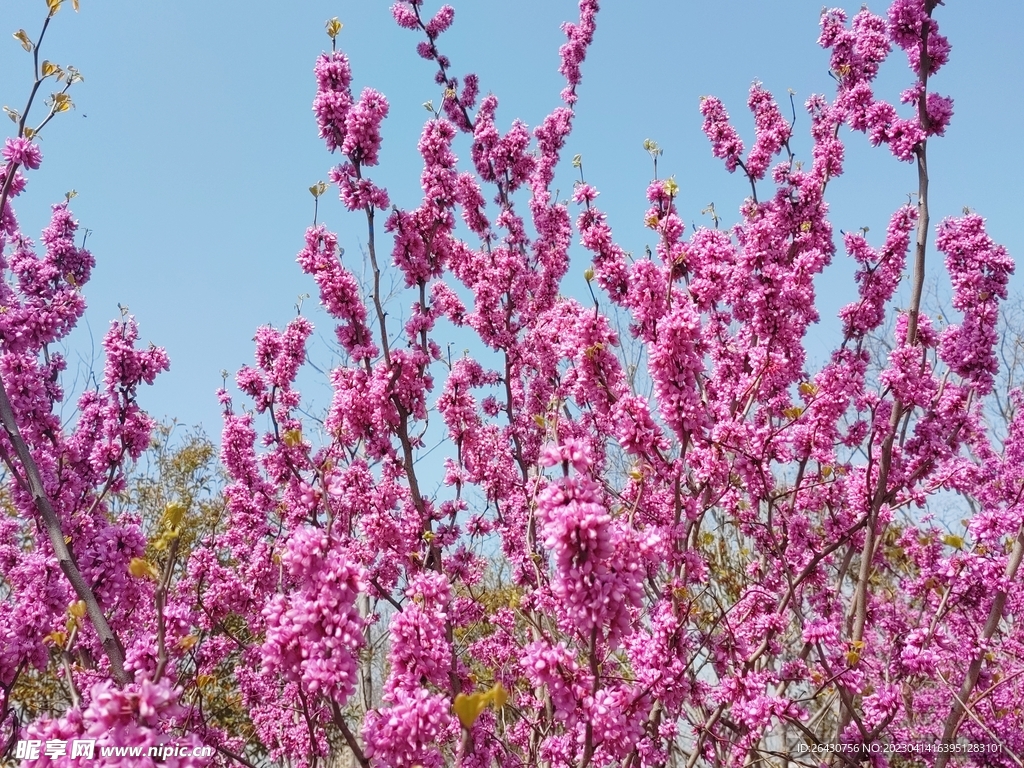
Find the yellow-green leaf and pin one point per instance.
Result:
(318, 189)
(670, 186)
(54, 6)
(292, 437)
(22, 37)
(61, 102)
(173, 513)
(334, 27)
(56, 638)
(48, 68)
(954, 541)
(141, 568)
(77, 609)
(807, 389)
(468, 708)
(74, 4)
(498, 695)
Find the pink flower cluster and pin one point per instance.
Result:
(314, 633)
(402, 736)
(420, 653)
(597, 574)
(21, 151)
(339, 292)
(979, 270)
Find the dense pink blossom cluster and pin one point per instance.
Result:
(666, 537)
(21, 151)
(405, 734)
(314, 633)
(597, 573)
(979, 270)
(725, 141)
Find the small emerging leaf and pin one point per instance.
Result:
(22, 36)
(14, 114)
(498, 695)
(318, 189)
(468, 708)
(334, 27)
(48, 68)
(77, 609)
(141, 568)
(807, 389)
(292, 437)
(54, 6)
(61, 102)
(56, 638)
(173, 513)
(951, 540)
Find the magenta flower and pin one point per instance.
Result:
(21, 151)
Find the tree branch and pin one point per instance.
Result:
(33, 485)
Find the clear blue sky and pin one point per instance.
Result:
(193, 144)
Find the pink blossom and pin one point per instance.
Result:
(725, 141)
(21, 151)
